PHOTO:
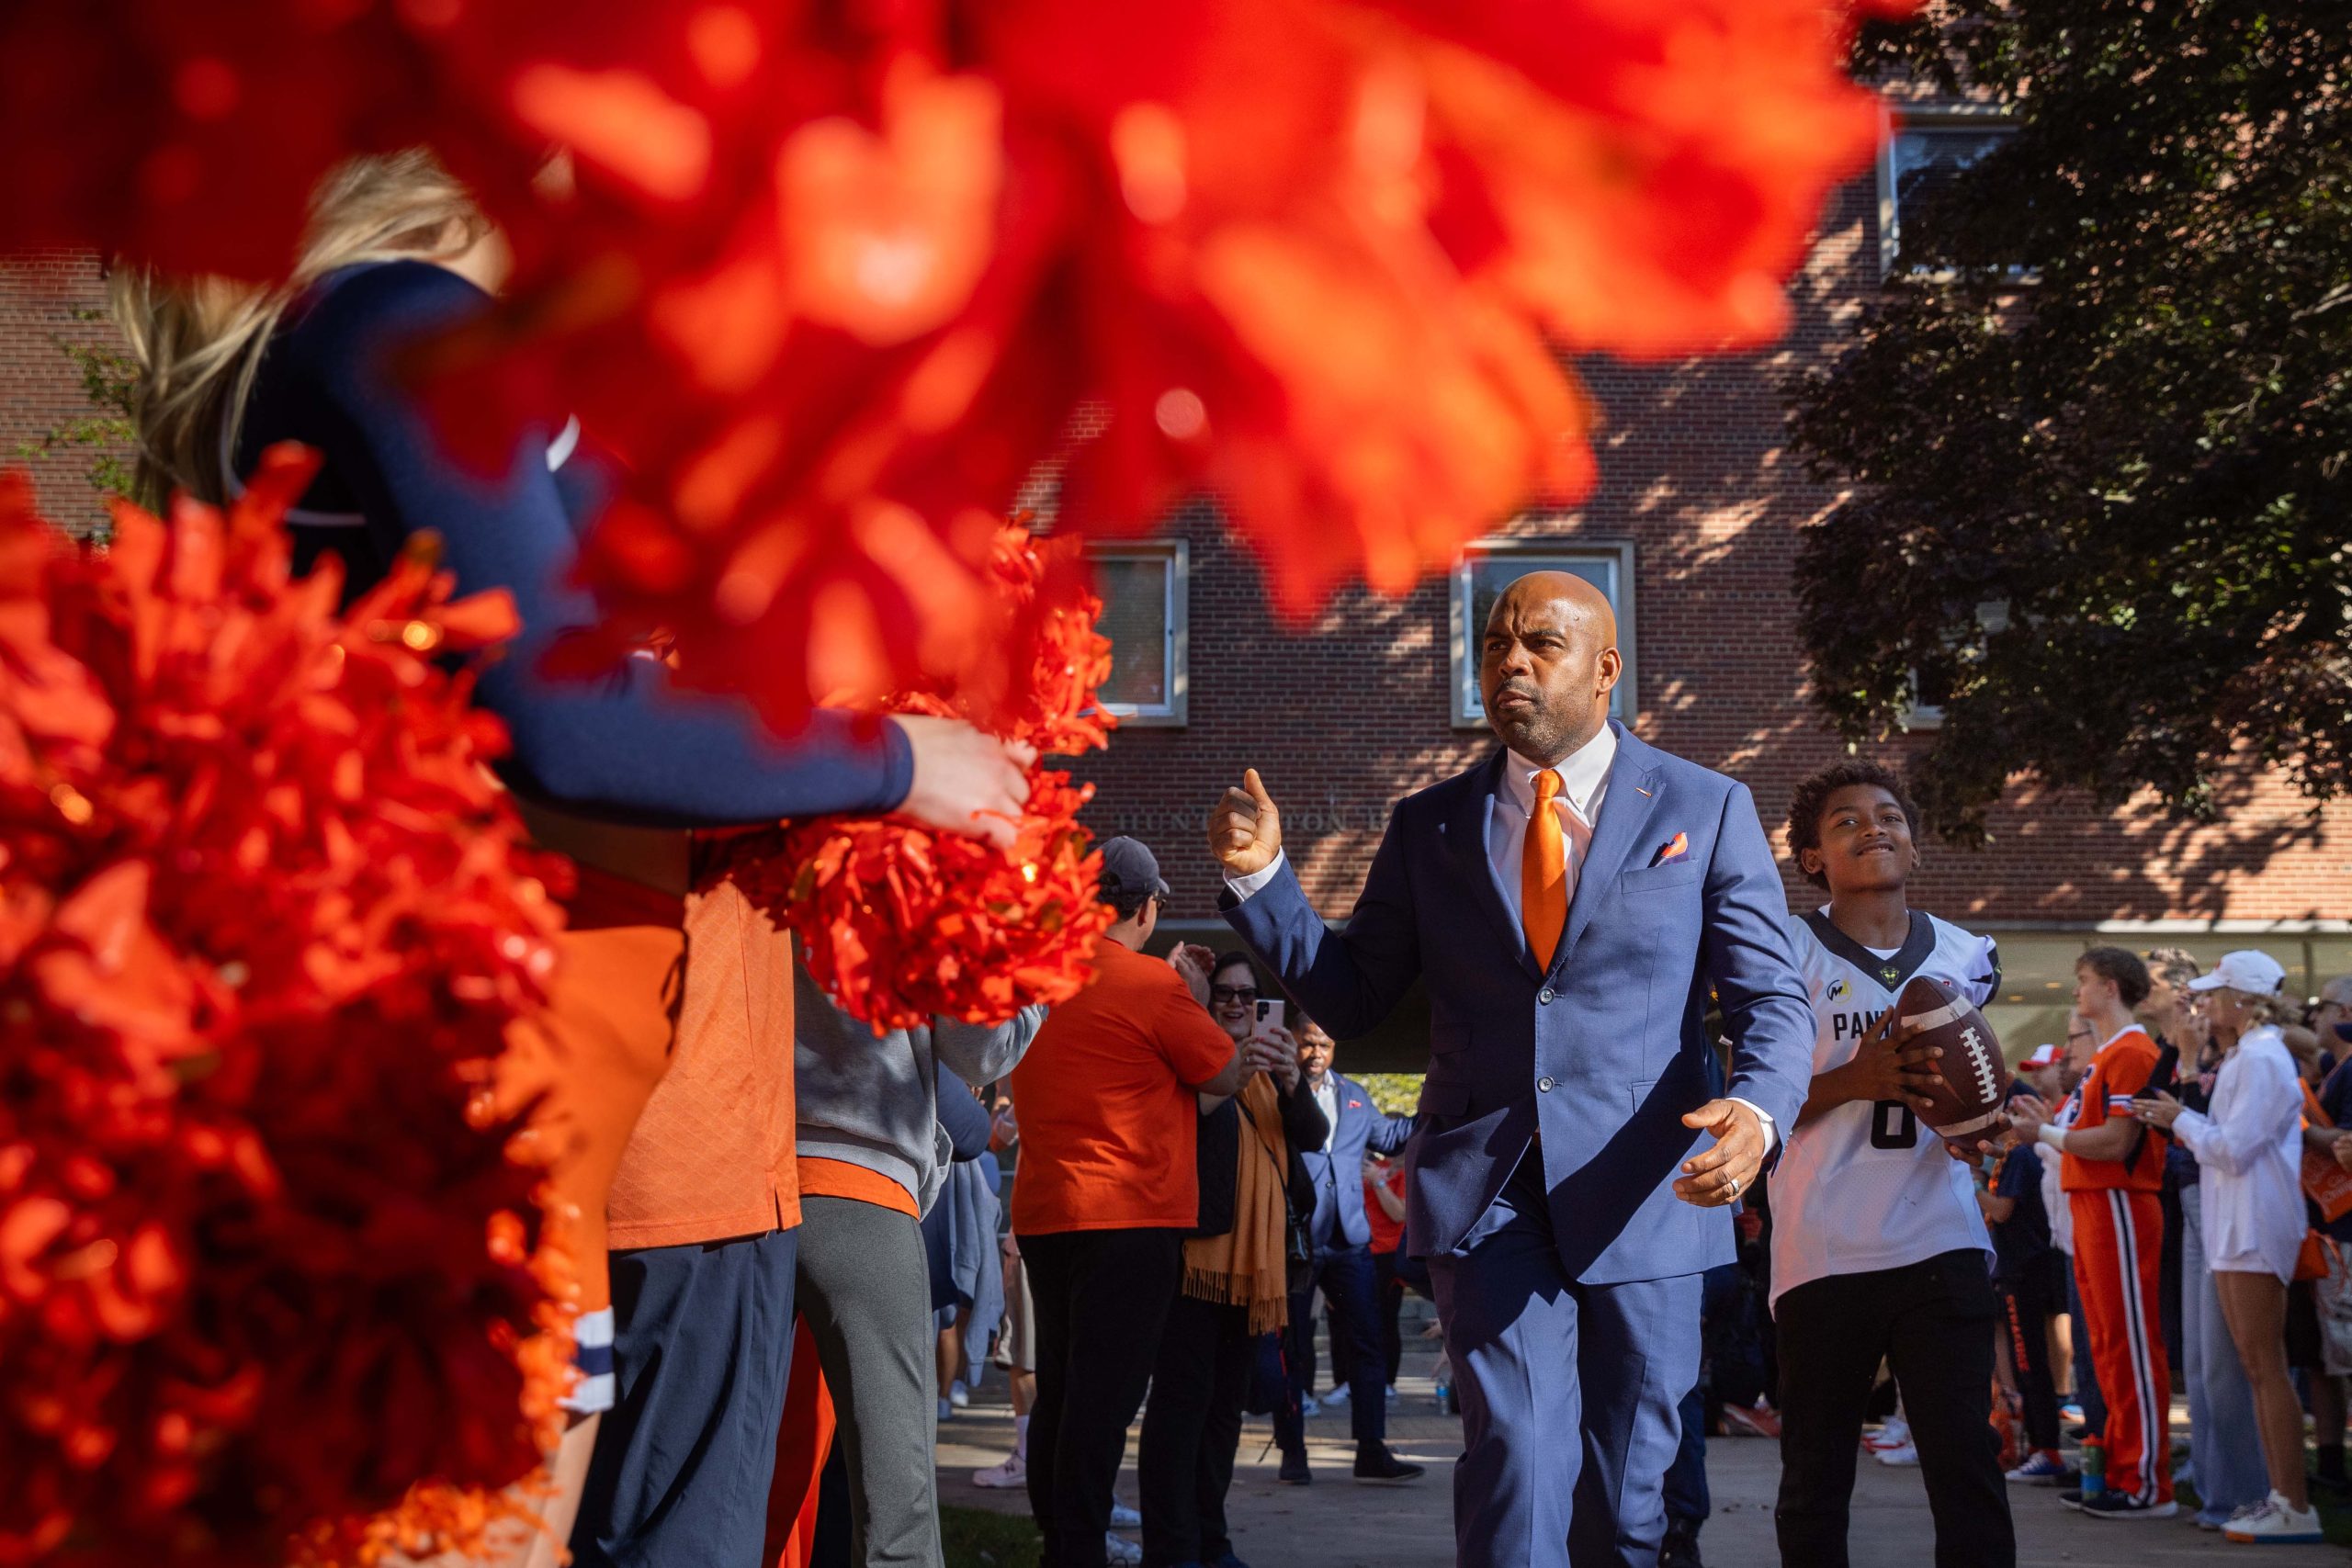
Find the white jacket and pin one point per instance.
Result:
(2249, 1152)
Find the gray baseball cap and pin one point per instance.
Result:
(1128, 869)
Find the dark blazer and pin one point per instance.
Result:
(1603, 1052)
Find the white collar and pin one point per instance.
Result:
(1582, 772)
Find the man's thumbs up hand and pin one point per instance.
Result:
(1246, 831)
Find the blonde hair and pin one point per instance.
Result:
(198, 341)
(2259, 1011)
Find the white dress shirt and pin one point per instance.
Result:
(1584, 783)
(2249, 1149)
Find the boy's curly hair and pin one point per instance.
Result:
(1812, 799)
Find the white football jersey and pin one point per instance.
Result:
(1868, 1187)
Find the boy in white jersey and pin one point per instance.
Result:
(1879, 1250)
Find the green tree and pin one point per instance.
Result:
(105, 433)
(2095, 430)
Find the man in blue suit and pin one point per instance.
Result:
(1571, 902)
(1341, 1233)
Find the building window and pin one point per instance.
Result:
(1920, 157)
(1489, 566)
(1145, 589)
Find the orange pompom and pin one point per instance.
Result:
(901, 924)
(264, 923)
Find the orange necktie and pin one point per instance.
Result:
(1543, 873)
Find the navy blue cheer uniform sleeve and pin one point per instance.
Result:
(629, 747)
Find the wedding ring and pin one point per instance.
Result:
(1735, 1186)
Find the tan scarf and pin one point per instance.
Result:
(1248, 1265)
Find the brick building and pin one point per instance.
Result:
(1693, 531)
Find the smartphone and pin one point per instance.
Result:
(2167, 1071)
(1271, 1011)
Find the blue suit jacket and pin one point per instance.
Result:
(1337, 1176)
(1606, 1050)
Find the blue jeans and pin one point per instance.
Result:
(2225, 1448)
(1350, 1285)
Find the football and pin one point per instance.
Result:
(1973, 1099)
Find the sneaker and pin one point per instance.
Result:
(1014, 1472)
(1309, 1408)
(946, 1411)
(1337, 1397)
(2274, 1523)
(2042, 1469)
(2070, 1497)
(1904, 1458)
(1294, 1471)
(1751, 1421)
(1124, 1518)
(1120, 1553)
(1681, 1548)
(1391, 1393)
(958, 1395)
(1893, 1434)
(1375, 1466)
(2071, 1413)
(2116, 1505)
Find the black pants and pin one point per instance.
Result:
(1389, 1291)
(1191, 1428)
(2030, 1299)
(1932, 1322)
(1346, 1279)
(1101, 1297)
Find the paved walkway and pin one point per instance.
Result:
(1335, 1524)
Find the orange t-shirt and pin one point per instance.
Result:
(2120, 1070)
(1107, 1110)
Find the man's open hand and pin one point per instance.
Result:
(1245, 830)
(1725, 1172)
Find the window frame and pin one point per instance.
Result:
(1462, 664)
(1897, 119)
(1176, 635)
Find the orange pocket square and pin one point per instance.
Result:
(1675, 848)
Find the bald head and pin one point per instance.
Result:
(1547, 663)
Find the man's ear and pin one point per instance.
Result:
(1810, 863)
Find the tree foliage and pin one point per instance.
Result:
(2096, 430)
(105, 434)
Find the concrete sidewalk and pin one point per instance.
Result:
(1336, 1524)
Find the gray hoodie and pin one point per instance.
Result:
(873, 1100)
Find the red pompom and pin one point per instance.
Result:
(264, 922)
(838, 281)
(901, 924)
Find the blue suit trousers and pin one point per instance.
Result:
(1570, 1394)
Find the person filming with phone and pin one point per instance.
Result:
(1235, 1285)
(1341, 1233)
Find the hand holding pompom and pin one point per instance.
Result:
(901, 922)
